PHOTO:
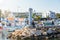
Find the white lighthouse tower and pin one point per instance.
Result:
(30, 15)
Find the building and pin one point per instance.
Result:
(39, 14)
(21, 14)
(52, 15)
(25, 14)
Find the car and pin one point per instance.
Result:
(47, 23)
(57, 22)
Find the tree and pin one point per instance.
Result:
(0, 13)
(33, 15)
(47, 16)
(58, 15)
(5, 14)
(37, 18)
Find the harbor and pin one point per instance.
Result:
(12, 28)
(29, 20)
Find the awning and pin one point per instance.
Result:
(21, 19)
(11, 19)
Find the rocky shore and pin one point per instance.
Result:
(34, 33)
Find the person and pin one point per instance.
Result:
(1, 30)
(9, 24)
(52, 22)
(27, 22)
(33, 24)
(1, 25)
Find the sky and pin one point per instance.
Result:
(24, 5)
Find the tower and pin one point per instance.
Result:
(30, 15)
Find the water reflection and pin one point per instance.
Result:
(43, 39)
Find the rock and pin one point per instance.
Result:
(44, 33)
(58, 35)
(25, 32)
(9, 36)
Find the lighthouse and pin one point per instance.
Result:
(30, 15)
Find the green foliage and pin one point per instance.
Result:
(33, 15)
(47, 17)
(0, 13)
(37, 18)
(58, 15)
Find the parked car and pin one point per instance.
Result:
(47, 23)
(57, 22)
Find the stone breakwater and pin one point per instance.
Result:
(34, 33)
(25, 32)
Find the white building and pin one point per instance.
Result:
(39, 14)
(52, 14)
(20, 14)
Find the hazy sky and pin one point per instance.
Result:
(24, 5)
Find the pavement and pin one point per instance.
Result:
(3, 36)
